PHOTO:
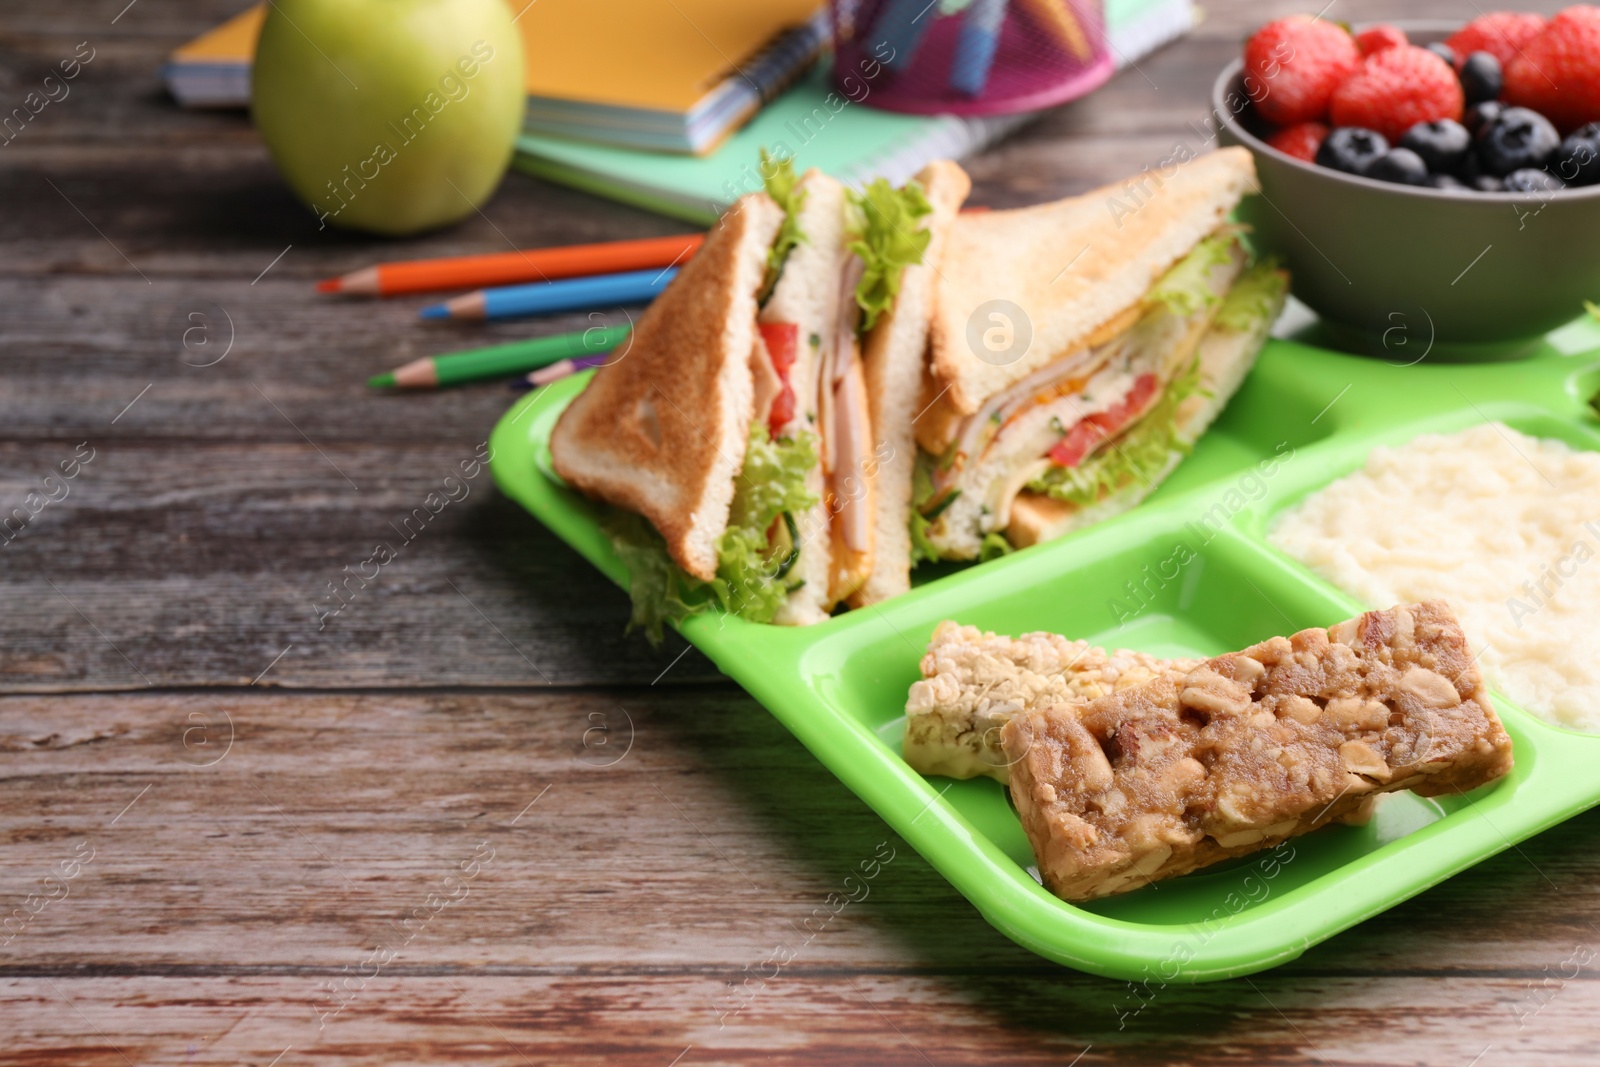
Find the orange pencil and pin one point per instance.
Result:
(510, 268)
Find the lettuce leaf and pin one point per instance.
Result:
(994, 546)
(1256, 295)
(1185, 288)
(660, 590)
(750, 582)
(886, 233)
(1138, 455)
(782, 184)
(922, 548)
(772, 483)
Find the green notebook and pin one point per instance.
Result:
(852, 142)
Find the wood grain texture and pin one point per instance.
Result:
(236, 909)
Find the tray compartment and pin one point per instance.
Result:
(1221, 596)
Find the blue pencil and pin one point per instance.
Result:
(902, 24)
(975, 47)
(545, 298)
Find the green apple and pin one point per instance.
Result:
(392, 116)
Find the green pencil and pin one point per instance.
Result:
(500, 361)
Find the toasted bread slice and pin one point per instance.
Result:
(807, 294)
(893, 358)
(1226, 356)
(1068, 267)
(662, 428)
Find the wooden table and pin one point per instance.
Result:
(467, 819)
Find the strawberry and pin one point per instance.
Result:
(1395, 89)
(1292, 66)
(1501, 33)
(1558, 72)
(1300, 140)
(1377, 38)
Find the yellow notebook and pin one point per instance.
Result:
(673, 75)
(652, 54)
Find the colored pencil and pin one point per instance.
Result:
(556, 371)
(975, 46)
(902, 24)
(545, 298)
(1056, 18)
(509, 268)
(497, 361)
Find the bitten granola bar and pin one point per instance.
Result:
(1251, 748)
(974, 682)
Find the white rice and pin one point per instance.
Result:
(1504, 526)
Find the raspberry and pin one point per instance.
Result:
(1292, 66)
(1503, 33)
(1300, 140)
(1558, 72)
(1395, 89)
(1377, 38)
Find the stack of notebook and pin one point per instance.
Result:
(663, 77)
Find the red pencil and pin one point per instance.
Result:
(510, 268)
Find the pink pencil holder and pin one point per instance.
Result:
(981, 57)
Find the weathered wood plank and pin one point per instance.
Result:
(652, 1020)
(683, 830)
(195, 564)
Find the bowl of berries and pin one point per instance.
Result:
(1427, 181)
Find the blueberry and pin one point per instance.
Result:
(1518, 138)
(1449, 183)
(1578, 160)
(1400, 165)
(1529, 180)
(1442, 144)
(1481, 78)
(1480, 117)
(1444, 52)
(1351, 149)
(1485, 183)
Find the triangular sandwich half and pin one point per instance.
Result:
(1067, 340)
(662, 428)
(893, 360)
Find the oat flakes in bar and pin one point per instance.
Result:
(973, 682)
(1251, 748)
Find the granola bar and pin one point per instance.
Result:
(974, 682)
(1251, 748)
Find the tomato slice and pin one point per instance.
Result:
(782, 340)
(782, 412)
(1087, 435)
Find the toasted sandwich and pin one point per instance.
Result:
(735, 432)
(893, 359)
(1122, 332)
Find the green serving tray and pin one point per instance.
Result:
(1310, 416)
